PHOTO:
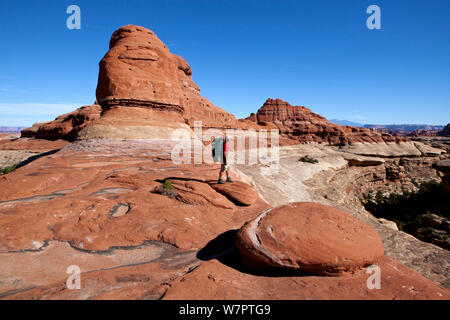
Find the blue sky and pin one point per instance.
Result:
(319, 54)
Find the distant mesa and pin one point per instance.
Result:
(406, 130)
(6, 129)
(346, 123)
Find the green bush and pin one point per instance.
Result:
(405, 209)
(8, 169)
(168, 184)
(166, 189)
(308, 159)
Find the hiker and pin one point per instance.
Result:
(220, 152)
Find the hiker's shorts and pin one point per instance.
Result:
(224, 167)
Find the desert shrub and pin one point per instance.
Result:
(368, 196)
(308, 159)
(168, 184)
(7, 170)
(407, 208)
(166, 189)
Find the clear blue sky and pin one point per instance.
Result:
(318, 53)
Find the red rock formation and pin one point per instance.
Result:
(66, 126)
(140, 71)
(310, 237)
(98, 196)
(145, 91)
(31, 131)
(239, 192)
(301, 124)
(214, 280)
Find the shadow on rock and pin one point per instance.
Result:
(32, 158)
(223, 248)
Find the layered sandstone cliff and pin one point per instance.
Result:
(301, 124)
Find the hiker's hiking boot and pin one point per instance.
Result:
(229, 179)
(221, 181)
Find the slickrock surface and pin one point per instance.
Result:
(68, 203)
(33, 145)
(93, 204)
(70, 194)
(15, 152)
(216, 280)
(310, 237)
(237, 191)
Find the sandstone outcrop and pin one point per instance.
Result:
(136, 123)
(237, 191)
(140, 71)
(301, 124)
(66, 126)
(355, 160)
(31, 131)
(309, 237)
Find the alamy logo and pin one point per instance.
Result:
(374, 281)
(74, 20)
(374, 20)
(74, 280)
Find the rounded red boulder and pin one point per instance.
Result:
(310, 237)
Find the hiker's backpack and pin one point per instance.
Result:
(217, 149)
